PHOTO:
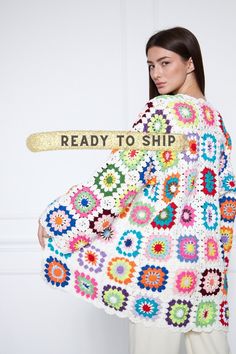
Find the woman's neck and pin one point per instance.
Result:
(191, 88)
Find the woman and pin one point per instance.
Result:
(148, 237)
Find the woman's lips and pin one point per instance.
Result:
(160, 84)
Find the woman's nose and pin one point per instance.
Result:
(156, 73)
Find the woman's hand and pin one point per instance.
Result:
(42, 234)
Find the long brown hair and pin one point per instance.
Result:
(183, 42)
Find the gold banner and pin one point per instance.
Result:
(104, 139)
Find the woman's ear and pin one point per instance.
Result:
(190, 65)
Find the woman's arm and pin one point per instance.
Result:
(227, 200)
(87, 209)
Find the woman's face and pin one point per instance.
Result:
(168, 70)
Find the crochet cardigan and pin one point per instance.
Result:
(148, 236)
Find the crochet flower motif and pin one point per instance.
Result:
(226, 237)
(84, 201)
(92, 258)
(178, 313)
(191, 152)
(171, 187)
(148, 308)
(159, 247)
(167, 158)
(102, 221)
(208, 181)
(85, 285)
(187, 249)
(121, 270)
(153, 278)
(130, 243)
(152, 192)
(60, 221)
(223, 160)
(185, 113)
(209, 147)
(211, 282)
(56, 272)
(115, 297)
(141, 213)
(206, 313)
(126, 198)
(210, 216)
(211, 249)
(107, 234)
(51, 244)
(190, 180)
(132, 158)
(188, 217)
(224, 131)
(78, 242)
(208, 115)
(166, 218)
(185, 281)
(224, 313)
(228, 208)
(228, 183)
(147, 169)
(159, 123)
(109, 180)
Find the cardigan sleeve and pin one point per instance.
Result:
(227, 195)
(88, 209)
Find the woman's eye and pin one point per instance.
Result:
(164, 63)
(150, 66)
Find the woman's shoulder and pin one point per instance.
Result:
(180, 98)
(179, 112)
(178, 101)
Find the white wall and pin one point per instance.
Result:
(80, 65)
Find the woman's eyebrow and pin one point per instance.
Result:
(149, 61)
